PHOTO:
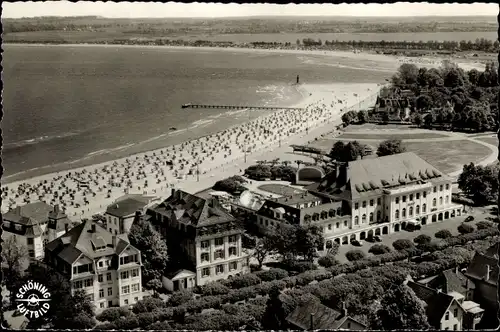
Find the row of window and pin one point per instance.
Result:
(103, 263)
(410, 211)
(219, 269)
(363, 204)
(78, 284)
(102, 305)
(218, 254)
(100, 277)
(324, 215)
(218, 241)
(101, 292)
(126, 274)
(129, 259)
(126, 289)
(363, 218)
(337, 225)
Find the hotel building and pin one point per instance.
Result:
(104, 265)
(120, 214)
(206, 237)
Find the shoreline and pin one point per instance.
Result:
(424, 61)
(164, 168)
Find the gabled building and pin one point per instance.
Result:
(34, 225)
(202, 237)
(104, 265)
(313, 315)
(386, 194)
(120, 214)
(443, 311)
(451, 282)
(483, 271)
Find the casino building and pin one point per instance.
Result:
(368, 197)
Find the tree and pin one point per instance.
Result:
(77, 312)
(354, 255)
(291, 241)
(402, 244)
(407, 74)
(350, 117)
(262, 249)
(231, 185)
(347, 152)
(465, 229)
(400, 309)
(274, 316)
(484, 225)
(423, 102)
(417, 119)
(155, 285)
(328, 261)
(153, 248)
(479, 182)
(422, 239)
(443, 234)
(362, 116)
(259, 172)
(390, 146)
(14, 255)
(379, 249)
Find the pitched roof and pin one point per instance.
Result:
(437, 303)
(324, 317)
(477, 268)
(192, 210)
(493, 250)
(29, 214)
(369, 177)
(125, 207)
(455, 281)
(93, 242)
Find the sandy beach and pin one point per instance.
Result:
(85, 191)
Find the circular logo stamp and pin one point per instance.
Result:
(33, 299)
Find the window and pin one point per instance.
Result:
(455, 327)
(434, 189)
(337, 225)
(108, 276)
(378, 201)
(455, 312)
(410, 211)
(447, 186)
(434, 202)
(90, 297)
(124, 275)
(329, 227)
(101, 305)
(418, 196)
(219, 241)
(125, 301)
(403, 213)
(205, 257)
(89, 282)
(219, 254)
(135, 273)
(424, 208)
(30, 241)
(447, 199)
(219, 269)
(404, 199)
(356, 220)
(411, 197)
(205, 244)
(232, 251)
(440, 200)
(110, 291)
(363, 219)
(447, 316)
(100, 278)
(441, 188)
(378, 215)
(78, 284)
(232, 239)
(356, 206)
(267, 224)
(128, 259)
(417, 209)
(233, 266)
(345, 223)
(101, 293)
(125, 289)
(371, 216)
(101, 263)
(135, 288)
(397, 214)
(424, 194)
(364, 204)
(397, 200)
(371, 202)
(205, 272)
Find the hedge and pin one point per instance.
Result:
(354, 255)
(484, 225)
(422, 239)
(465, 229)
(112, 314)
(402, 244)
(241, 281)
(327, 261)
(212, 288)
(443, 234)
(379, 249)
(272, 274)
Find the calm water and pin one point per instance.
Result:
(68, 106)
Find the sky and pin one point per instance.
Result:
(172, 9)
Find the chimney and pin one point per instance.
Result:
(488, 270)
(92, 228)
(66, 227)
(173, 192)
(113, 241)
(311, 322)
(456, 269)
(344, 310)
(56, 208)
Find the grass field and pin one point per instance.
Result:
(279, 189)
(384, 136)
(489, 140)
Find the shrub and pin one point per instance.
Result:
(301, 266)
(443, 234)
(379, 249)
(128, 323)
(146, 318)
(159, 326)
(180, 297)
(354, 255)
(422, 239)
(213, 288)
(148, 304)
(112, 314)
(465, 229)
(231, 185)
(244, 280)
(272, 274)
(402, 244)
(327, 261)
(484, 225)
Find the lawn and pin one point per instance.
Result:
(384, 136)
(279, 189)
(490, 140)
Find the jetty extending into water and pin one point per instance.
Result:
(239, 107)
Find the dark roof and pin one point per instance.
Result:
(478, 267)
(324, 317)
(369, 177)
(304, 197)
(192, 210)
(82, 240)
(456, 281)
(29, 214)
(437, 303)
(493, 250)
(125, 207)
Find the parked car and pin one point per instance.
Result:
(377, 238)
(356, 243)
(469, 218)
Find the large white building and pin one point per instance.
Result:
(104, 265)
(367, 197)
(34, 225)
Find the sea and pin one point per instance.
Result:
(72, 105)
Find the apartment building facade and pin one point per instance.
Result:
(120, 214)
(105, 266)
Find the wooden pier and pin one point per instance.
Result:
(239, 107)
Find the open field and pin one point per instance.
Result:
(490, 140)
(279, 189)
(384, 136)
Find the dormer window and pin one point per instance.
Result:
(447, 315)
